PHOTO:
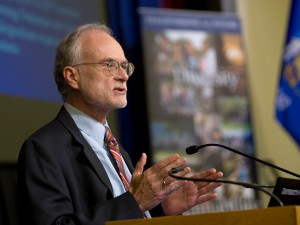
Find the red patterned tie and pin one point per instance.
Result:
(113, 146)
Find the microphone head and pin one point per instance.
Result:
(191, 150)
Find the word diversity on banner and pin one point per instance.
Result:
(196, 82)
(288, 94)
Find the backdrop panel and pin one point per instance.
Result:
(197, 93)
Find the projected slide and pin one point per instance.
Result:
(29, 34)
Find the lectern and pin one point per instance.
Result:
(287, 215)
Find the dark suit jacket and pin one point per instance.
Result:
(61, 180)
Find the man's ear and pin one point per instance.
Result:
(71, 76)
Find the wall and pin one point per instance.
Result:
(265, 23)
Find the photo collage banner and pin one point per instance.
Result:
(196, 80)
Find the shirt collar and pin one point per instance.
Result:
(87, 124)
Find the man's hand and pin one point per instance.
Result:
(148, 187)
(191, 193)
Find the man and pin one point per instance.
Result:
(66, 173)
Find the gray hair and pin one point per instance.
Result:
(69, 52)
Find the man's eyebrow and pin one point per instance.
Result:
(107, 59)
(112, 59)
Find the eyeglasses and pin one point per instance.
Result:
(113, 66)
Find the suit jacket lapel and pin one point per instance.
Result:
(97, 166)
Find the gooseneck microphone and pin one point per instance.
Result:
(195, 148)
(254, 186)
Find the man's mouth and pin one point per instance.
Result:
(120, 90)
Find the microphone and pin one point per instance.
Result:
(195, 148)
(255, 186)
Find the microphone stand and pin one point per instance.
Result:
(173, 171)
(194, 149)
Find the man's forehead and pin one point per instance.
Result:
(101, 45)
(96, 36)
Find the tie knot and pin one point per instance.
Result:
(109, 138)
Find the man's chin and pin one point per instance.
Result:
(121, 105)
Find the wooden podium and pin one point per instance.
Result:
(287, 215)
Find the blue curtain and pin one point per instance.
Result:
(124, 21)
